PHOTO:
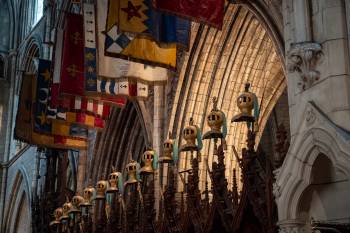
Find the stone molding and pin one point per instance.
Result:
(303, 59)
(291, 226)
(317, 135)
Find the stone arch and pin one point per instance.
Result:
(297, 173)
(32, 51)
(269, 14)
(29, 56)
(23, 217)
(19, 203)
(126, 136)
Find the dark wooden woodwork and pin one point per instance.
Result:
(219, 208)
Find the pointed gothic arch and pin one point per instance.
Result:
(19, 202)
(127, 134)
(320, 141)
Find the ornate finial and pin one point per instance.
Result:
(246, 87)
(215, 103)
(191, 121)
(113, 169)
(234, 178)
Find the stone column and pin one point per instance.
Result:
(302, 20)
(158, 126)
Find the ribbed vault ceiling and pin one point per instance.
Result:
(218, 64)
(124, 138)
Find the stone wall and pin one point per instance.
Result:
(317, 51)
(18, 162)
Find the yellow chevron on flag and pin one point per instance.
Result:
(132, 16)
(148, 50)
(113, 15)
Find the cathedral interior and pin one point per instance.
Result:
(174, 116)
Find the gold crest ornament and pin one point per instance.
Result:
(170, 151)
(193, 137)
(217, 123)
(150, 161)
(101, 188)
(247, 102)
(115, 180)
(132, 168)
(66, 208)
(88, 195)
(57, 215)
(76, 201)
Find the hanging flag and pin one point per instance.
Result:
(23, 127)
(72, 71)
(88, 105)
(112, 43)
(122, 87)
(41, 122)
(114, 70)
(90, 72)
(139, 16)
(58, 56)
(24, 122)
(90, 115)
(205, 11)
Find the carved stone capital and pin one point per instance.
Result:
(291, 226)
(303, 58)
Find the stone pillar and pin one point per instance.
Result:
(302, 20)
(158, 126)
(317, 59)
(10, 115)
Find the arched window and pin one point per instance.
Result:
(38, 10)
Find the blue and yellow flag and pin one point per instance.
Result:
(139, 16)
(25, 120)
(42, 123)
(127, 46)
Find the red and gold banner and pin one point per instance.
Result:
(78, 110)
(72, 70)
(205, 11)
(25, 121)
